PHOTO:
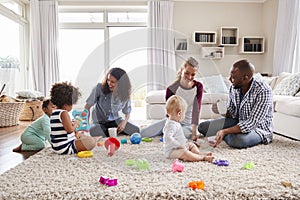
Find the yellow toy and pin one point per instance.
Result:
(85, 154)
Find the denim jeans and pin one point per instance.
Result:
(240, 140)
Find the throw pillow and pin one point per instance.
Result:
(214, 84)
(288, 86)
(29, 94)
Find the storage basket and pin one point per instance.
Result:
(32, 110)
(10, 113)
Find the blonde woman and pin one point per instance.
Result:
(191, 91)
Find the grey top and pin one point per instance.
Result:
(105, 106)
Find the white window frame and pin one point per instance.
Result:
(24, 35)
(105, 8)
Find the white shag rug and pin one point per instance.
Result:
(47, 175)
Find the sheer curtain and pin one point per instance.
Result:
(44, 36)
(287, 36)
(161, 56)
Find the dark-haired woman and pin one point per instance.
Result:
(107, 99)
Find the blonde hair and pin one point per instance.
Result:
(175, 104)
(189, 61)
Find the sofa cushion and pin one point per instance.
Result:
(209, 98)
(291, 107)
(214, 84)
(288, 86)
(156, 96)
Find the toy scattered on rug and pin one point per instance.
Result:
(136, 138)
(83, 118)
(124, 141)
(161, 139)
(249, 165)
(112, 145)
(221, 162)
(141, 164)
(146, 139)
(177, 166)
(196, 185)
(286, 183)
(85, 154)
(107, 181)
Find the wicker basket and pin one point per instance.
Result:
(32, 110)
(10, 113)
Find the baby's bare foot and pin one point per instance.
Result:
(208, 158)
(209, 154)
(18, 149)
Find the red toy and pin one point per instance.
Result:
(112, 144)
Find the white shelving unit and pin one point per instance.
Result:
(252, 45)
(204, 37)
(181, 44)
(212, 52)
(229, 36)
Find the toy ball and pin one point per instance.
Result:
(135, 138)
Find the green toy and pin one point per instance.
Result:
(146, 139)
(248, 165)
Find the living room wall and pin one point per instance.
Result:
(252, 19)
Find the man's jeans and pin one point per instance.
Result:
(240, 140)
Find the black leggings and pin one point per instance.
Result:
(101, 128)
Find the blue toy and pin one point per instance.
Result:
(82, 117)
(135, 138)
(221, 162)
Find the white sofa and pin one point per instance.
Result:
(286, 97)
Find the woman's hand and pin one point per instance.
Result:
(121, 126)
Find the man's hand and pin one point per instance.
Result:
(219, 137)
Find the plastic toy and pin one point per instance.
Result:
(161, 139)
(135, 138)
(100, 143)
(124, 141)
(85, 154)
(112, 145)
(286, 183)
(83, 118)
(130, 162)
(177, 166)
(196, 185)
(146, 139)
(107, 181)
(248, 165)
(142, 164)
(221, 162)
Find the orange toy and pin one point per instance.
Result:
(196, 185)
(112, 144)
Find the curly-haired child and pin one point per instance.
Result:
(175, 143)
(63, 139)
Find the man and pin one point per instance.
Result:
(248, 120)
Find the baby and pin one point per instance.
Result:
(175, 143)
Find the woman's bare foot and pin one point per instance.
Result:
(18, 149)
(209, 154)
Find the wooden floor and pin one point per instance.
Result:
(9, 139)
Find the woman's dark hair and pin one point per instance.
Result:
(46, 103)
(123, 89)
(64, 94)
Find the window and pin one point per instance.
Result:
(13, 48)
(86, 30)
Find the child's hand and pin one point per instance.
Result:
(76, 123)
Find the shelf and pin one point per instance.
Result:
(204, 37)
(252, 45)
(212, 52)
(181, 44)
(229, 36)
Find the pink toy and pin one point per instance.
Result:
(112, 145)
(107, 181)
(177, 166)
